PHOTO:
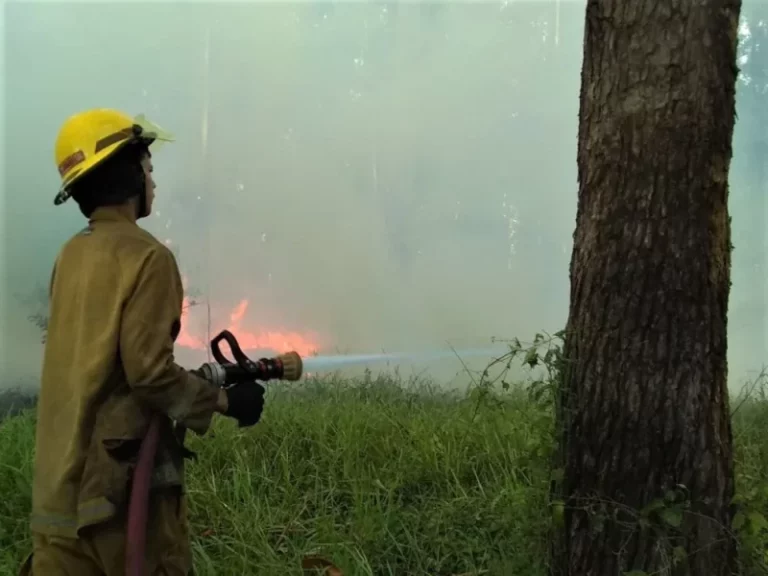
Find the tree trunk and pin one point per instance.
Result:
(645, 417)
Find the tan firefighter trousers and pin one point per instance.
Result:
(100, 550)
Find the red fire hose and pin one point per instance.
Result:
(138, 506)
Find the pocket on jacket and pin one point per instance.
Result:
(123, 449)
(119, 428)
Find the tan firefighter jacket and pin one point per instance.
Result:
(115, 312)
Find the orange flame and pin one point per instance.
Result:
(277, 341)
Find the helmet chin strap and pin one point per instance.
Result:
(141, 205)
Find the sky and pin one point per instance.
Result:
(391, 177)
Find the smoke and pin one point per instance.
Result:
(383, 176)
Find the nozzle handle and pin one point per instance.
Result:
(240, 358)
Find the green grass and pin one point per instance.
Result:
(379, 477)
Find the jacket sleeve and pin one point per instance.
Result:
(150, 323)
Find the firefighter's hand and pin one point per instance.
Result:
(245, 403)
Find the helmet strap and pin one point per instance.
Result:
(141, 206)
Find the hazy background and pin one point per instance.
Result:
(370, 176)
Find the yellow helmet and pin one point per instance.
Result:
(87, 139)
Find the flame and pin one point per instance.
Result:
(277, 341)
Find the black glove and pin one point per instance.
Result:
(245, 403)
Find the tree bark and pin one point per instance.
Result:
(644, 398)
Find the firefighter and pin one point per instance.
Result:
(115, 312)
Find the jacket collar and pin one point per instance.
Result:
(123, 213)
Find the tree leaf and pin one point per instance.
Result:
(757, 522)
(679, 555)
(532, 357)
(558, 513)
(672, 516)
(654, 505)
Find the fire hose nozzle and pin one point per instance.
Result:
(224, 372)
(293, 367)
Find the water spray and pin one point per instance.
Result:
(335, 362)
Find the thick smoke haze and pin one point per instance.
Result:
(372, 176)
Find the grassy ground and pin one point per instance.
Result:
(379, 477)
